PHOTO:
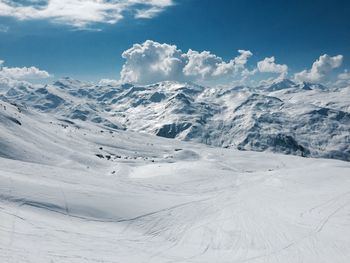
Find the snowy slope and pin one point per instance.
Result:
(78, 191)
(301, 119)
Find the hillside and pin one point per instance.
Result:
(77, 191)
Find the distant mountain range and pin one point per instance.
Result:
(303, 119)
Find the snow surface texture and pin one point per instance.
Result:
(74, 191)
(301, 119)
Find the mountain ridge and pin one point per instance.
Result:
(302, 119)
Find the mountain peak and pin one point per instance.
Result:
(281, 84)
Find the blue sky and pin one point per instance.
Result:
(296, 33)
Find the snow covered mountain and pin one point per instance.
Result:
(301, 119)
(72, 190)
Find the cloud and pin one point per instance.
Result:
(17, 73)
(246, 76)
(148, 13)
(82, 13)
(151, 62)
(206, 65)
(268, 65)
(344, 76)
(320, 69)
(201, 64)
(343, 79)
(111, 82)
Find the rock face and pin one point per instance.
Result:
(302, 119)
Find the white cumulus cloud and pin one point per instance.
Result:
(81, 13)
(268, 65)
(320, 69)
(201, 64)
(17, 73)
(152, 61)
